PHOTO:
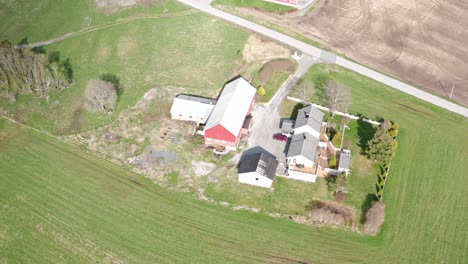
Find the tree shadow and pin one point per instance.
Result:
(370, 198)
(112, 78)
(365, 132)
(295, 110)
(23, 41)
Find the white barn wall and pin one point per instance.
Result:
(307, 129)
(301, 176)
(251, 178)
(300, 160)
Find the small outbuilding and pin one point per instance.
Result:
(287, 127)
(344, 162)
(257, 169)
(192, 108)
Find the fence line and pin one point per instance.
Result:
(321, 107)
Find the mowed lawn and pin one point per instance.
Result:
(188, 50)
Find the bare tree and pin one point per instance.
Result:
(374, 218)
(337, 97)
(101, 95)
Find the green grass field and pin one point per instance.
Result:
(62, 205)
(184, 51)
(260, 4)
(59, 204)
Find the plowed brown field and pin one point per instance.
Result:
(424, 43)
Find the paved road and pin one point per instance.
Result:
(204, 5)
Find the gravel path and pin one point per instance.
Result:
(204, 5)
(267, 118)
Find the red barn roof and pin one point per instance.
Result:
(234, 104)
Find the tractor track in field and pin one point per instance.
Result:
(105, 26)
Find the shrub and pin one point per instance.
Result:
(172, 177)
(261, 91)
(337, 183)
(330, 213)
(375, 217)
(332, 162)
(337, 139)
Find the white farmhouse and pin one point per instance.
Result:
(301, 157)
(309, 120)
(192, 108)
(257, 169)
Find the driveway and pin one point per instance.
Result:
(266, 118)
(204, 5)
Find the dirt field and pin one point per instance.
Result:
(423, 43)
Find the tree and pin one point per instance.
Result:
(381, 146)
(100, 95)
(375, 217)
(336, 96)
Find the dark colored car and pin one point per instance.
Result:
(280, 137)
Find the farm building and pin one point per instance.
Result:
(345, 160)
(231, 115)
(257, 169)
(307, 156)
(192, 108)
(301, 157)
(309, 119)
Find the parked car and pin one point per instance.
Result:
(280, 137)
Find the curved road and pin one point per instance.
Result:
(204, 5)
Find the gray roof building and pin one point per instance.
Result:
(258, 162)
(345, 160)
(199, 99)
(287, 126)
(303, 144)
(309, 116)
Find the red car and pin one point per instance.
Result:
(280, 137)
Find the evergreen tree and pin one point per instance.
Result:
(381, 146)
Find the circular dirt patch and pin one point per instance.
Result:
(275, 66)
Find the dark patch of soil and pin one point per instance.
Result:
(272, 67)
